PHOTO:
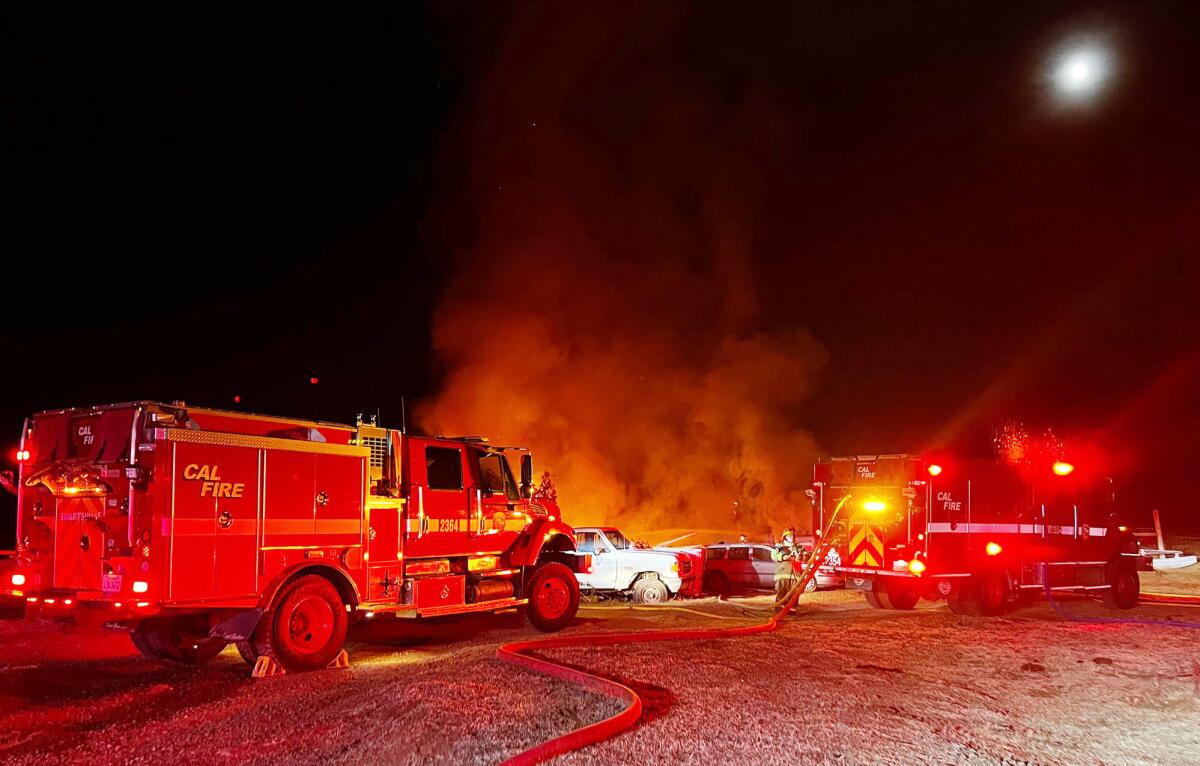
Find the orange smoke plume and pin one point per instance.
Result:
(603, 302)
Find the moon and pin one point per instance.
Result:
(1079, 73)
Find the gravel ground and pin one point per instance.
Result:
(841, 683)
(437, 695)
(851, 687)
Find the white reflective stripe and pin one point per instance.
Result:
(981, 528)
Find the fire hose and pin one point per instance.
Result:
(664, 608)
(1172, 599)
(520, 653)
(1154, 598)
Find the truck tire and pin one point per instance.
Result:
(982, 594)
(897, 596)
(305, 628)
(1124, 586)
(176, 639)
(650, 591)
(902, 596)
(553, 595)
(811, 585)
(716, 583)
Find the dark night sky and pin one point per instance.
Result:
(198, 206)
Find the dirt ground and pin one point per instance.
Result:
(1181, 580)
(840, 683)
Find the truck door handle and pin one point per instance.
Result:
(225, 520)
(421, 517)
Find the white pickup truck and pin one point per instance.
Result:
(648, 575)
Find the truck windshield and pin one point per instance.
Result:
(616, 539)
(497, 477)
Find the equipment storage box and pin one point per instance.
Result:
(432, 592)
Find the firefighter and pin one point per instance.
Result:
(786, 551)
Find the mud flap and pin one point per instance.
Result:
(239, 627)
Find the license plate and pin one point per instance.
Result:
(111, 583)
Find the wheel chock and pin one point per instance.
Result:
(266, 667)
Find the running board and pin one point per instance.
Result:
(479, 606)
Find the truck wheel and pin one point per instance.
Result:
(553, 595)
(811, 585)
(985, 593)
(961, 599)
(305, 628)
(176, 639)
(648, 591)
(901, 596)
(716, 583)
(991, 591)
(1124, 586)
(893, 596)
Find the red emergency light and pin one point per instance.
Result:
(934, 470)
(1062, 468)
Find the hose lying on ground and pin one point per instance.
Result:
(1158, 598)
(1174, 599)
(519, 653)
(666, 608)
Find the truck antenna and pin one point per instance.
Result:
(403, 418)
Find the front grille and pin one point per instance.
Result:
(378, 446)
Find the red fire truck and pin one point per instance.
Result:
(983, 535)
(193, 528)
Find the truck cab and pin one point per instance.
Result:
(619, 567)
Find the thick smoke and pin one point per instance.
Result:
(603, 306)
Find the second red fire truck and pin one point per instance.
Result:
(984, 535)
(194, 528)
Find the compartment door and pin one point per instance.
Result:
(339, 484)
(214, 522)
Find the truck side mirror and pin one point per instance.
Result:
(526, 475)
